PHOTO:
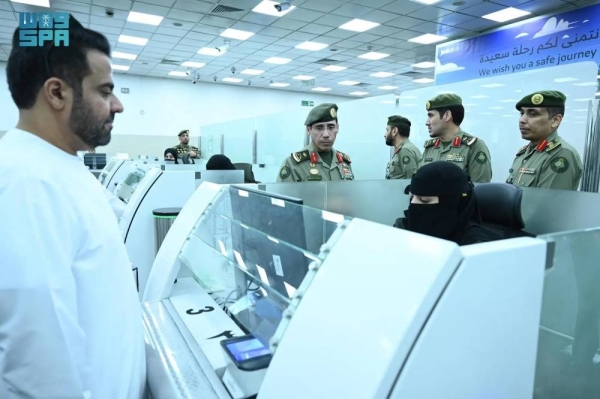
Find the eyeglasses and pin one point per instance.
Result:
(332, 127)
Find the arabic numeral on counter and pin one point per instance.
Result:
(195, 312)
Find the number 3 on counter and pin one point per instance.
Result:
(206, 310)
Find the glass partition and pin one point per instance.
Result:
(568, 365)
(251, 252)
(490, 112)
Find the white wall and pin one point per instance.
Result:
(163, 107)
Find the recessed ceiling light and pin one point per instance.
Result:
(423, 80)
(334, 68)
(277, 60)
(387, 87)
(39, 3)
(303, 77)
(139, 41)
(210, 51)
(506, 15)
(312, 46)
(120, 67)
(279, 84)
(232, 80)
(321, 89)
(253, 72)
(268, 7)
(125, 56)
(382, 74)
(348, 83)
(374, 56)
(428, 2)
(177, 73)
(142, 18)
(492, 85)
(359, 93)
(428, 38)
(564, 80)
(424, 64)
(192, 64)
(359, 25)
(237, 34)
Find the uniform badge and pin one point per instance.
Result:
(427, 105)
(347, 174)
(537, 99)
(312, 165)
(481, 158)
(313, 172)
(405, 159)
(333, 113)
(560, 165)
(314, 178)
(455, 158)
(284, 173)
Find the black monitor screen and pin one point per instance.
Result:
(281, 262)
(95, 161)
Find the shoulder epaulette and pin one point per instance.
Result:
(300, 156)
(522, 150)
(429, 143)
(468, 139)
(344, 156)
(553, 145)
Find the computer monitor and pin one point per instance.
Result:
(282, 264)
(95, 161)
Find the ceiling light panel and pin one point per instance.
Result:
(279, 84)
(39, 3)
(252, 72)
(303, 77)
(141, 18)
(237, 34)
(321, 89)
(120, 67)
(423, 80)
(387, 87)
(334, 68)
(382, 74)
(348, 83)
(138, 41)
(267, 7)
(191, 64)
(359, 25)
(210, 51)
(124, 56)
(359, 93)
(312, 46)
(428, 38)
(507, 14)
(232, 80)
(277, 60)
(425, 64)
(373, 56)
(177, 73)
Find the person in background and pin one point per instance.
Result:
(548, 161)
(171, 155)
(406, 157)
(443, 205)
(219, 162)
(70, 317)
(184, 146)
(445, 114)
(318, 161)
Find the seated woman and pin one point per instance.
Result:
(443, 204)
(219, 162)
(171, 155)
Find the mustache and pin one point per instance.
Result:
(111, 118)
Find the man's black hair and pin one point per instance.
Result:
(458, 113)
(29, 67)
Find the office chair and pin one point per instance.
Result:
(248, 174)
(500, 209)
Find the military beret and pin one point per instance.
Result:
(397, 120)
(443, 101)
(546, 99)
(182, 132)
(321, 113)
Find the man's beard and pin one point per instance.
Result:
(389, 141)
(87, 126)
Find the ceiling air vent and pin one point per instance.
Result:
(223, 9)
(413, 74)
(327, 61)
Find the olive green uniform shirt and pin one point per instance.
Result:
(466, 151)
(298, 167)
(182, 149)
(404, 162)
(553, 163)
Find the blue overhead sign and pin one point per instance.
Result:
(549, 41)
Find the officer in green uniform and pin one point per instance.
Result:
(548, 161)
(450, 143)
(406, 158)
(184, 148)
(318, 161)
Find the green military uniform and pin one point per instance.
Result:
(551, 163)
(406, 158)
(465, 150)
(185, 149)
(311, 165)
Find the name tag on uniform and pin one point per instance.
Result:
(527, 171)
(455, 158)
(314, 178)
(428, 160)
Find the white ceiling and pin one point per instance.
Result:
(189, 25)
